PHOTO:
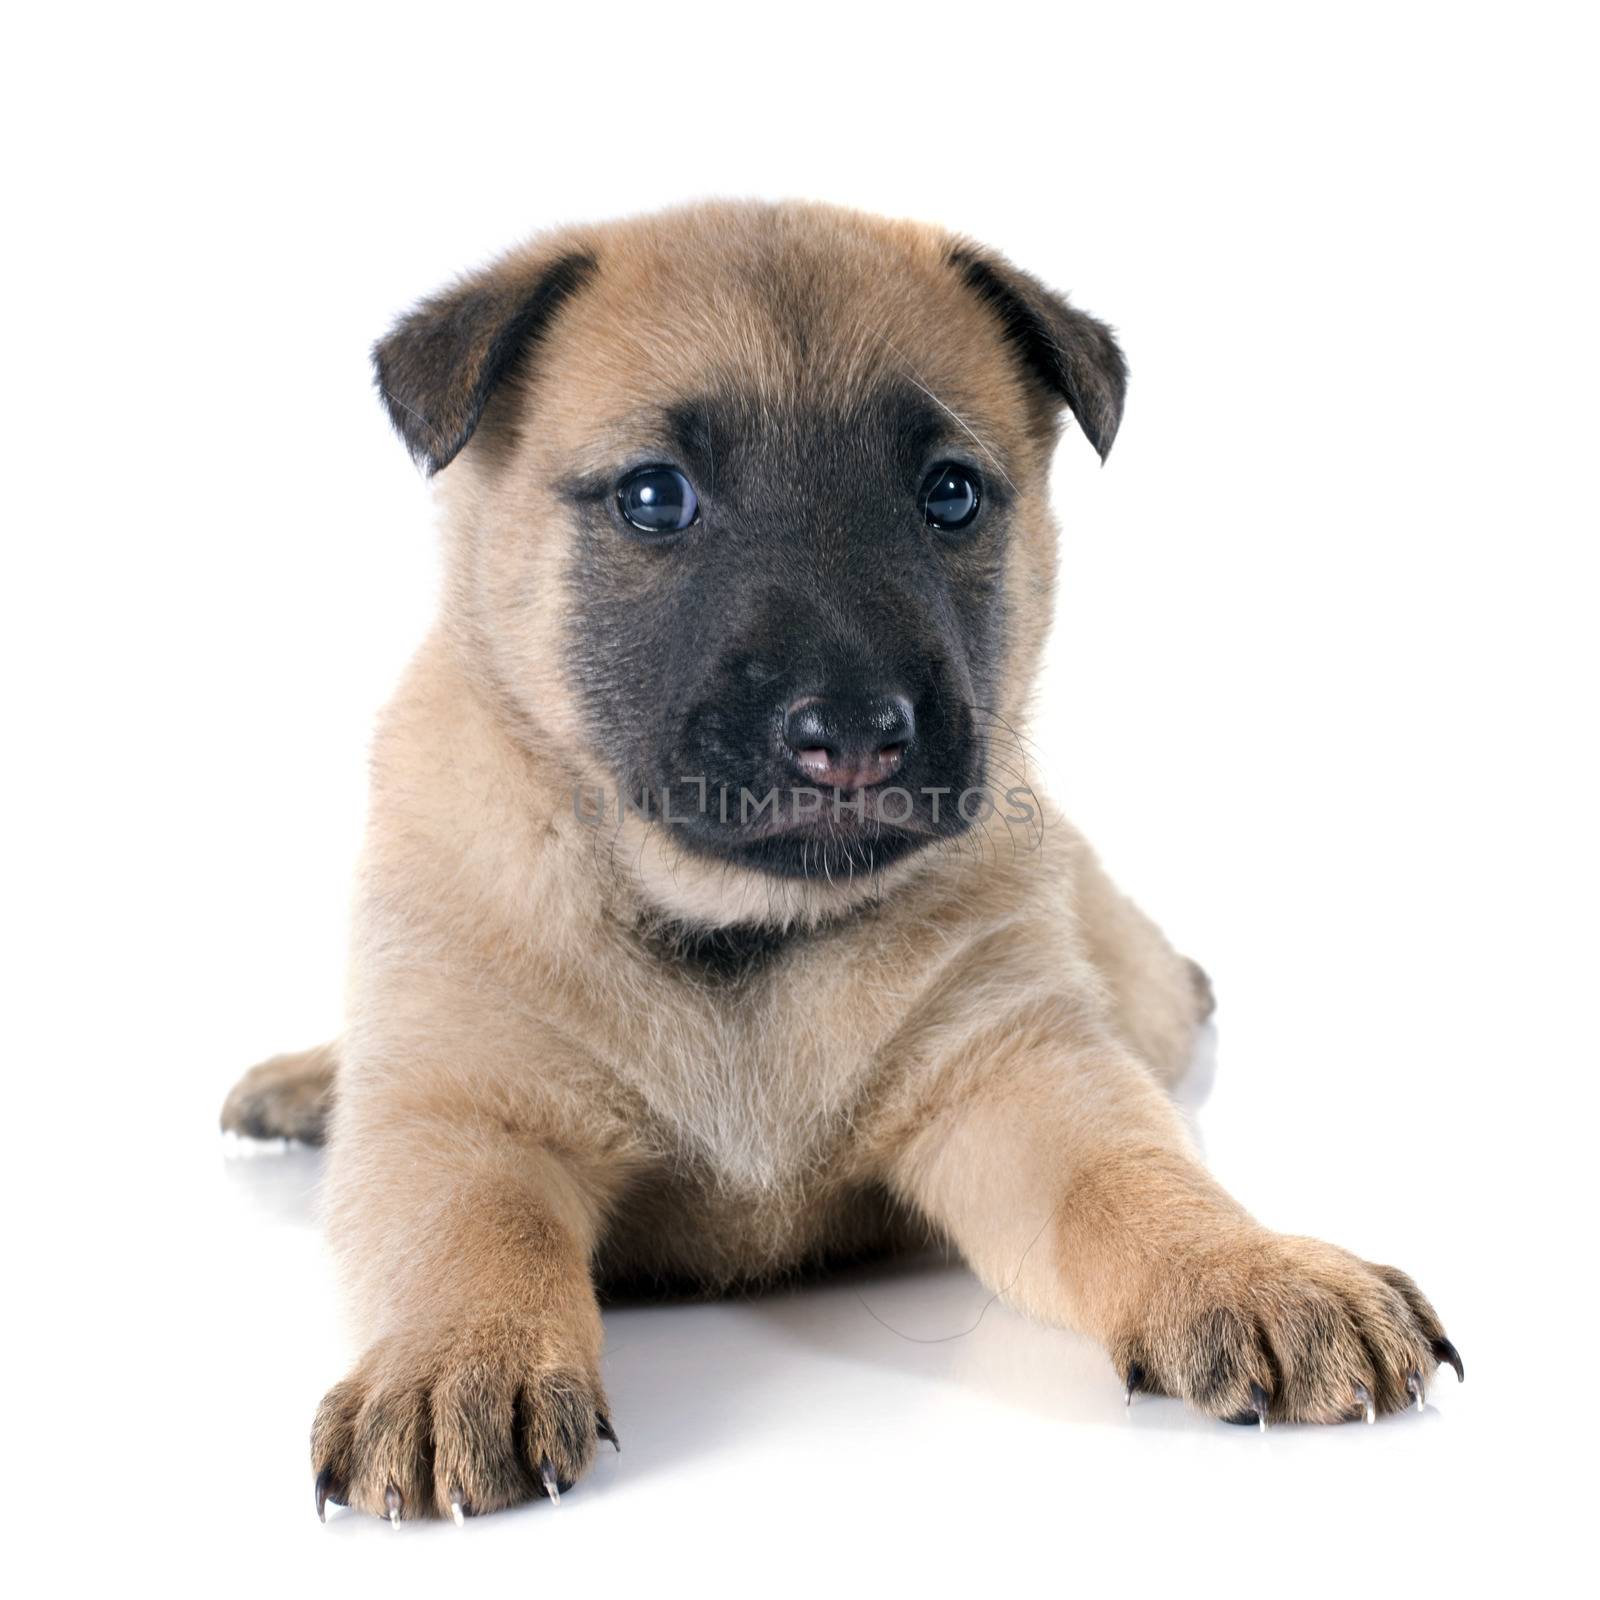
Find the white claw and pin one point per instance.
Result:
(1372, 1413)
(394, 1517)
(1414, 1384)
(1364, 1400)
(551, 1488)
(1259, 1401)
(457, 1514)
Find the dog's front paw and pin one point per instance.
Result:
(456, 1427)
(1294, 1330)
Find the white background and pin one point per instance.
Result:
(1321, 690)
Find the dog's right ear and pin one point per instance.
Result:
(438, 366)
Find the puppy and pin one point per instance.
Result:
(704, 930)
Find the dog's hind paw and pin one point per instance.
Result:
(288, 1097)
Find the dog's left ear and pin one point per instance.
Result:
(1074, 355)
(438, 366)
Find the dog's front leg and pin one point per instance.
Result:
(1068, 1181)
(467, 1245)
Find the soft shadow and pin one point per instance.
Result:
(1193, 1089)
(278, 1178)
(862, 1340)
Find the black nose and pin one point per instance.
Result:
(848, 741)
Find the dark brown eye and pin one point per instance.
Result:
(950, 497)
(658, 500)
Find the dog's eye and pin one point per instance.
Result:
(658, 500)
(950, 497)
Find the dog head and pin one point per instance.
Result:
(747, 529)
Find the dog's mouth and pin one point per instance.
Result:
(831, 851)
(802, 832)
(841, 814)
(836, 833)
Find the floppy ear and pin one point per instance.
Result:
(1073, 354)
(438, 365)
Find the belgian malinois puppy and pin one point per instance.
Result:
(706, 927)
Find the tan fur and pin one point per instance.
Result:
(972, 1045)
